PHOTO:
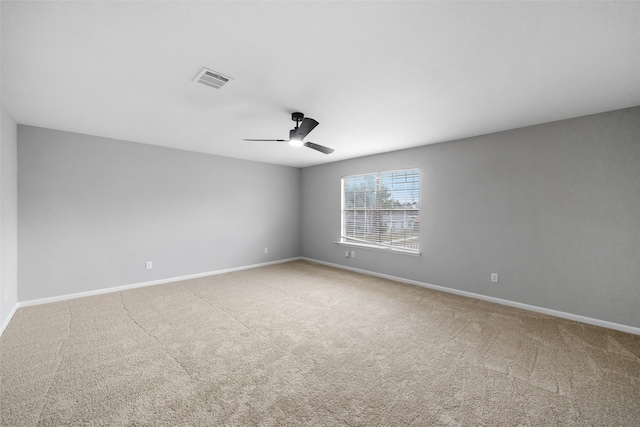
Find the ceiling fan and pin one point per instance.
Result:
(304, 125)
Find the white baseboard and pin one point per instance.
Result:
(583, 319)
(143, 284)
(6, 322)
(575, 317)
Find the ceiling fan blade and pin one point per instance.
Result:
(269, 140)
(305, 127)
(318, 147)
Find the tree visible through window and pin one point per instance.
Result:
(382, 209)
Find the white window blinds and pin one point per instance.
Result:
(382, 209)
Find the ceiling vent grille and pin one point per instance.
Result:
(212, 78)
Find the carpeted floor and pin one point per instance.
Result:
(303, 344)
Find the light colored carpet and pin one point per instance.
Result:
(303, 344)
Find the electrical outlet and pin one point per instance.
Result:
(353, 254)
(494, 277)
(266, 250)
(148, 265)
(346, 254)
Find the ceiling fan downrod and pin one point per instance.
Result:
(297, 117)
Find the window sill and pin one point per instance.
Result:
(378, 248)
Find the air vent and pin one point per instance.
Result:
(212, 78)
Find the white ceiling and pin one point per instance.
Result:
(378, 76)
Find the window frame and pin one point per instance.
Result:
(346, 240)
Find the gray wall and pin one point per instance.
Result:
(92, 210)
(554, 209)
(8, 216)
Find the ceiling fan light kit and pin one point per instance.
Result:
(304, 125)
(295, 141)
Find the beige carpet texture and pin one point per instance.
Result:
(302, 344)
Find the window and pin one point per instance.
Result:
(382, 210)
